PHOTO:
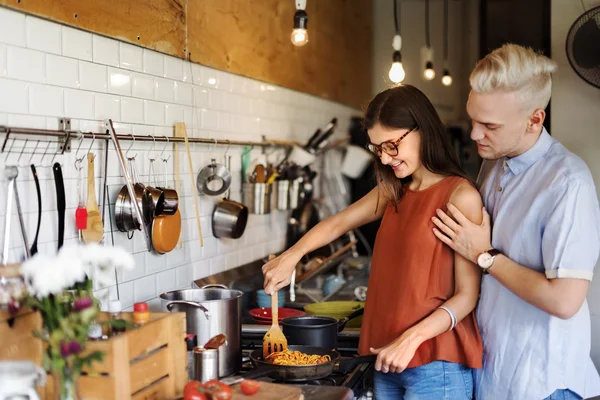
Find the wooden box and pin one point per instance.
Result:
(148, 362)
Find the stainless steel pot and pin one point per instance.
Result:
(209, 311)
(229, 219)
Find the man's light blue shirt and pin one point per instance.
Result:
(546, 217)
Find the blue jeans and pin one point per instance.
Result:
(563, 394)
(439, 380)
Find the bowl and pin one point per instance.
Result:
(263, 315)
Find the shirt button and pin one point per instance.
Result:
(499, 188)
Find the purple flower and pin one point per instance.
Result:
(65, 349)
(14, 306)
(82, 303)
(74, 347)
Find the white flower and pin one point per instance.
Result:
(45, 275)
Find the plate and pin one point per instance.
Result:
(264, 314)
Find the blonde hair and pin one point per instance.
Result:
(514, 68)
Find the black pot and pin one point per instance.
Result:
(316, 331)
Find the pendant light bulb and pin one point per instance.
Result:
(429, 72)
(397, 73)
(299, 36)
(447, 78)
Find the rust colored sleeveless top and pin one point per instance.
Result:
(412, 274)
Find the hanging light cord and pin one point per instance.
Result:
(396, 18)
(445, 31)
(427, 40)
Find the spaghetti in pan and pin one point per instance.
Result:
(288, 357)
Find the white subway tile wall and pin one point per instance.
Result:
(48, 71)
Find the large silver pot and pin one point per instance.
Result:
(209, 311)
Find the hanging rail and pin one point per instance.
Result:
(141, 138)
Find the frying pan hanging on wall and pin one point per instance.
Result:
(583, 46)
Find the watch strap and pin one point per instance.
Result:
(493, 252)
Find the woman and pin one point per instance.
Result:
(419, 316)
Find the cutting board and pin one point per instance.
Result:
(270, 391)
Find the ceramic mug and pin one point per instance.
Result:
(332, 283)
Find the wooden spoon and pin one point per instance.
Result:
(274, 340)
(94, 232)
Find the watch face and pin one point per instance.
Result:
(485, 260)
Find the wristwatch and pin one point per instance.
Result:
(486, 259)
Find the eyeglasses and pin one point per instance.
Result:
(390, 148)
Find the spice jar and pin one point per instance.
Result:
(141, 315)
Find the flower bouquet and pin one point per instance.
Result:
(60, 288)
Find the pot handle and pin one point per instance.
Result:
(342, 322)
(189, 303)
(214, 285)
(347, 364)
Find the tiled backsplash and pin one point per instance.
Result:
(48, 71)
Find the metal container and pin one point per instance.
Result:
(210, 311)
(281, 195)
(206, 364)
(229, 219)
(257, 197)
(294, 193)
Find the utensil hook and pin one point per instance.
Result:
(129, 148)
(226, 150)
(21, 153)
(163, 151)
(214, 146)
(33, 152)
(153, 149)
(79, 160)
(44, 156)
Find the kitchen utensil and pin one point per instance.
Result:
(60, 202)
(316, 331)
(300, 157)
(356, 161)
(301, 373)
(216, 342)
(156, 194)
(171, 197)
(294, 194)
(136, 207)
(336, 309)
(19, 379)
(229, 217)
(10, 173)
(312, 139)
(180, 131)
(34, 248)
(94, 231)
(318, 264)
(206, 364)
(260, 174)
(81, 211)
(281, 198)
(360, 292)
(274, 340)
(332, 283)
(257, 197)
(126, 209)
(209, 311)
(214, 179)
(165, 232)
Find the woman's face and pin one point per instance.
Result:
(408, 157)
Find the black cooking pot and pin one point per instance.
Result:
(315, 330)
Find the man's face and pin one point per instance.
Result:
(499, 124)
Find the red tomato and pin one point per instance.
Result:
(249, 387)
(218, 390)
(194, 390)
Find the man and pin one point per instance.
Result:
(539, 255)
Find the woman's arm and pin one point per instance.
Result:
(278, 271)
(467, 280)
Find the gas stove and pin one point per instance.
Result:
(359, 380)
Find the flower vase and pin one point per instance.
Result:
(67, 388)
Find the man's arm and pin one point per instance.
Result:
(569, 247)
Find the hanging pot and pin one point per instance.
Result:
(229, 218)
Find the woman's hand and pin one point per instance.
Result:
(278, 272)
(397, 355)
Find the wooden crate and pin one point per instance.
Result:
(148, 362)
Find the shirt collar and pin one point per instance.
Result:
(537, 151)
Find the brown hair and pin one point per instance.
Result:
(406, 107)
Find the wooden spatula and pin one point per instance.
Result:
(94, 231)
(274, 340)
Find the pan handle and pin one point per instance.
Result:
(342, 322)
(254, 374)
(214, 285)
(347, 364)
(189, 303)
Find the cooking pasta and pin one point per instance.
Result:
(288, 357)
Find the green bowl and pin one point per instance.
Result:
(337, 309)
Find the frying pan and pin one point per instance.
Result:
(300, 373)
(165, 232)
